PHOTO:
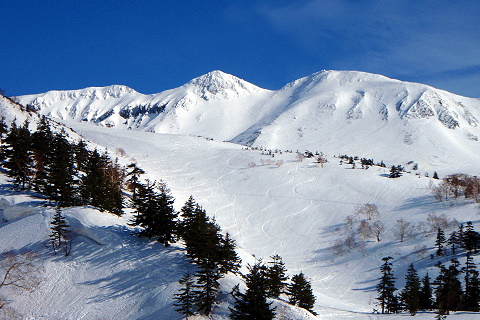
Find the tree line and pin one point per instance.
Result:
(62, 170)
(445, 293)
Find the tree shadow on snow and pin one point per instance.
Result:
(128, 267)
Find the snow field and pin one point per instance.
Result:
(296, 210)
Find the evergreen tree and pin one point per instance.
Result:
(59, 233)
(448, 292)
(453, 241)
(59, 183)
(101, 183)
(386, 287)
(411, 293)
(113, 174)
(41, 144)
(19, 157)
(253, 304)
(471, 238)
(425, 294)
(154, 213)
(395, 171)
(435, 175)
(228, 258)
(133, 174)
(472, 286)
(440, 240)
(300, 292)
(276, 278)
(207, 286)
(186, 298)
(203, 240)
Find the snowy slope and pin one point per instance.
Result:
(336, 111)
(210, 105)
(296, 210)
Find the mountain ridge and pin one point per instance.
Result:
(319, 111)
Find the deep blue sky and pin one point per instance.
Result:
(152, 46)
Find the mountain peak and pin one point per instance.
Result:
(218, 84)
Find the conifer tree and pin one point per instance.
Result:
(411, 293)
(59, 233)
(425, 294)
(386, 287)
(228, 258)
(207, 286)
(448, 289)
(154, 213)
(471, 238)
(396, 172)
(17, 146)
(440, 240)
(101, 183)
(60, 184)
(276, 278)
(41, 144)
(300, 292)
(472, 286)
(253, 303)
(186, 298)
(453, 241)
(133, 174)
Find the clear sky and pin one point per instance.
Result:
(153, 46)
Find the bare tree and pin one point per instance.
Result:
(350, 220)
(365, 229)
(437, 222)
(402, 229)
(17, 271)
(300, 157)
(367, 209)
(377, 229)
(321, 160)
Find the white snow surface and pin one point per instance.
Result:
(337, 111)
(296, 210)
(270, 205)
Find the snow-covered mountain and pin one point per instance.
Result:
(333, 111)
(270, 205)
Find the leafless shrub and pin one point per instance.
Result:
(321, 160)
(350, 220)
(424, 228)
(279, 163)
(338, 247)
(402, 229)
(252, 164)
(437, 222)
(300, 157)
(19, 273)
(350, 242)
(365, 229)
(367, 209)
(421, 251)
(121, 152)
(377, 229)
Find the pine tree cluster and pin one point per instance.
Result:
(446, 293)
(64, 171)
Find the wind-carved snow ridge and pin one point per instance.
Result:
(217, 84)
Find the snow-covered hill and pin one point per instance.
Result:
(336, 111)
(270, 205)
